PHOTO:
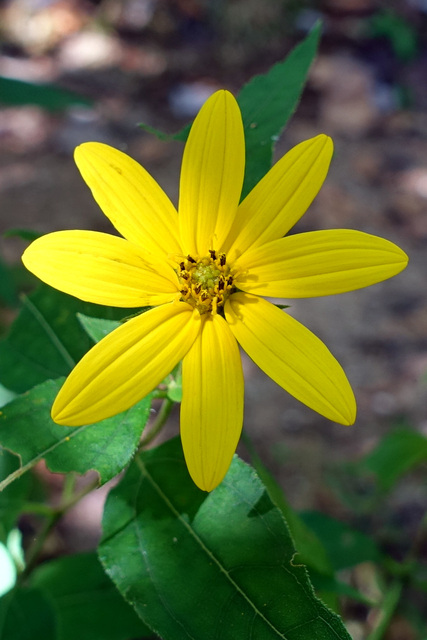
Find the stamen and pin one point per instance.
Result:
(206, 282)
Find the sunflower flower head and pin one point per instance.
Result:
(205, 271)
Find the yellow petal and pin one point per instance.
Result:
(133, 201)
(292, 356)
(212, 403)
(211, 175)
(100, 268)
(279, 200)
(126, 365)
(319, 263)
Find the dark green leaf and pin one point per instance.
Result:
(330, 585)
(46, 340)
(197, 565)
(346, 547)
(18, 92)
(8, 293)
(268, 101)
(396, 454)
(12, 497)
(87, 604)
(310, 549)
(27, 429)
(26, 615)
(25, 234)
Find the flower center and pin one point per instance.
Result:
(205, 283)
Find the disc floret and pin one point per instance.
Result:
(205, 282)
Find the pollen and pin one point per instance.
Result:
(205, 282)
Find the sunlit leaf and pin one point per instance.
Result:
(87, 604)
(97, 328)
(27, 429)
(197, 565)
(268, 101)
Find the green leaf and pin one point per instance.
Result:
(310, 549)
(19, 92)
(90, 608)
(26, 615)
(197, 565)
(7, 570)
(6, 395)
(8, 293)
(346, 547)
(12, 498)
(397, 453)
(330, 585)
(46, 340)
(268, 101)
(25, 234)
(27, 429)
(97, 328)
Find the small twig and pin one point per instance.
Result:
(389, 604)
(68, 501)
(162, 416)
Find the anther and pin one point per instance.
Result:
(213, 254)
(222, 259)
(190, 259)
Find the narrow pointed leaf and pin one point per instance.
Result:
(268, 101)
(207, 566)
(47, 96)
(27, 429)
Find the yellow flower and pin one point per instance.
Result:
(204, 272)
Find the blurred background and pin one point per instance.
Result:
(79, 70)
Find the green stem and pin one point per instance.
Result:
(68, 501)
(38, 508)
(389, 604)
(162, 416)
